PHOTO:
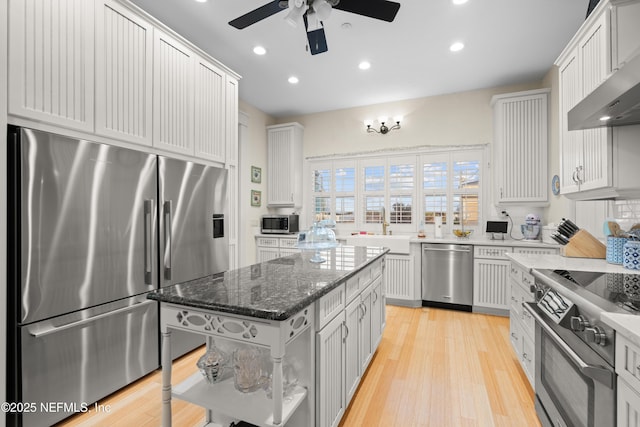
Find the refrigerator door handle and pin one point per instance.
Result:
(148, 208)
(49, 331)
(167, 239)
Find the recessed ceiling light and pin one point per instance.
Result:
(456, 47)
(459, 1)
(293, 80)
(364, 65)
(259, 50)
(201, 1)
(605, 118)
(346, 25)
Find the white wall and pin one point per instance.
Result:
(253, 152)
(456, 119)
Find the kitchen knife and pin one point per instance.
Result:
(559, 238)
(565, 230)
(571, 225)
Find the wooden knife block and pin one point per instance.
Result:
(584, 245)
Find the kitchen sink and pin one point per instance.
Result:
(396, 244)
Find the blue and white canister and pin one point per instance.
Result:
(631, 256)
(615, 249)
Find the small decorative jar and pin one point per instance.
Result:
(631, 256)
(615, 249)
(213, 363)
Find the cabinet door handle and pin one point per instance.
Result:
(346, 334)
(515, 337)
(376, 294)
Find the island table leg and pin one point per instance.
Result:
(277, 390)
(166, 378)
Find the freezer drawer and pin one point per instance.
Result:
(83, 357)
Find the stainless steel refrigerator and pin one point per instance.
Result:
(192, 229)
(92, 228)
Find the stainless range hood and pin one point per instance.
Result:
(617, 99)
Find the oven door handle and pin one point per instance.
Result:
(597, 373)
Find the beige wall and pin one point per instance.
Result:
(253, 152)
(456, 119)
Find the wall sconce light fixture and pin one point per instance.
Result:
(384, 129)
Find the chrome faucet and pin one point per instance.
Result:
(385, 224)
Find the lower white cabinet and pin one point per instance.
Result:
(628, 405)
(628, 370)
(490, 279)
(345, 345)
(268, 248)
(491, 289)
(521, 323)
(399, 276)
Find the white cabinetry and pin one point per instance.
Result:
(491, 289)
(284, 165)
(51, 62)
(521, 140)
(399, 277)
(268, 248)
(490, 273)
(597, 163)
(628, 370)
(124, 74)
(173, 92)
(521, 323)
(209, 120)
(350, 325)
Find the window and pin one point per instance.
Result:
(345, 178)
(451, 188)
(410, 188)
(322, 194)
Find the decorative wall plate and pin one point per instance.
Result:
(555, 185)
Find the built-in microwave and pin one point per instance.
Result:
(279, 224)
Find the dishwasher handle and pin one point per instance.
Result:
(446, 250)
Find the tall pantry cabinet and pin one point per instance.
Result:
(284, 163)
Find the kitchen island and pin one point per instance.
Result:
(321, 321)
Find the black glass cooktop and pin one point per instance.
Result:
(621, 289)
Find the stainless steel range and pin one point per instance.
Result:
(575, 374)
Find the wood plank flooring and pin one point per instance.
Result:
(434, 367)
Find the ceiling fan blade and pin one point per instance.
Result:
(317, 41)
(377, 9)
(316, 38)
(256, 15)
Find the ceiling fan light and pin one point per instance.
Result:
(322, 8)
(295, 15)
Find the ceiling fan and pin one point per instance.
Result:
(313, 12)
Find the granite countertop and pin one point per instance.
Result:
(555, 262)
(275, 289)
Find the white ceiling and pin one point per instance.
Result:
(506, 42)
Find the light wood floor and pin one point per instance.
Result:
(433, 368)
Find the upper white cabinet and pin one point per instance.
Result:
(149, 86)
(521, 140)
(124, 52)
(284, 165)
(51, 62)
(173, 95)
(594, 162)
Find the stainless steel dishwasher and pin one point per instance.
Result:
(447, 276)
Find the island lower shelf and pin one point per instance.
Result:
(223, 398)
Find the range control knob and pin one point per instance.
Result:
(596, 335)
(579, 323)
(537, 292)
